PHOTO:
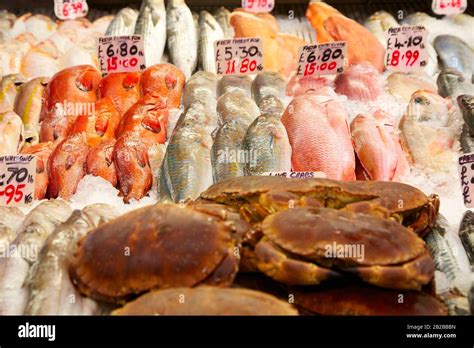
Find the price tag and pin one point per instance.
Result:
(297, 175)
(322, 59)
(121, 53)
(466, 174)
(406, 48)
(239, 56)
(17, 180)
(449, 7)
(70, 9)
(258, 6)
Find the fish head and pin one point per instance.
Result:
(429, 107)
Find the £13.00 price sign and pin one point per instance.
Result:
(323, 59)
(258, 5)
(121, 53)
(406, 48)
(70, 9)
(239, 56)
(17, 180)
(449, 7)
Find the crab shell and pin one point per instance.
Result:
(260, 196)
(205, 300)
(305, 246)
(159, 246)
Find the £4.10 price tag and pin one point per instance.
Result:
(70, 9)
(17, 180)
(258, 5)
(449, 7)
(121, 53)
(239, 56)
(322, 59)
(466, 174)
(406, 48)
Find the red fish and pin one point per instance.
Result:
(360, 82)
(42, 151)
(166, 80)
(123, 88)
(100, 161)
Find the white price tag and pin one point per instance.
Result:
(466, 174)
(297, 175)
(70, 9)
(448, 7)
(17, 180)
(322, 59)
(239, 56)
(406, 48)
(258, 6)
(121, 53)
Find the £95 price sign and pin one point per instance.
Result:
(449, 7)
(239, 56)
(406, 48)
(121, 53)
(70, 9)
(258, 6)
(322, 59)
(17, 180)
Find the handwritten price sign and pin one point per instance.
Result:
(323, 59)
(121, 53)
(406, 48)
(449, 7)
(17, 180)
(70, 9)
(239, 56)
(258, 5)
(466, 174)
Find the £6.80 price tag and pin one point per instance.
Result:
(322, 59)
(17, 180)
(70, 9)
(406, 48)
(449, 7)
(258, 5)
(466, 174)
(239, 56)
(121, 53)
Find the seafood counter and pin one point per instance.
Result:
(263, 194)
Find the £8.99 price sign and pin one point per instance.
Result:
(70, 9)
(406, 48)
(17, 180)
(258, 5)
(121, 53)
(322, 59)
(449, 7)
(239, 56)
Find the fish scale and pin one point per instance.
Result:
(209, 32)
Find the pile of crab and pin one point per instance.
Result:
(259, 245)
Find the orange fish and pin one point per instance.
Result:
(70, 93)
(42, 151)
(267, 17)
(360, 82)
(123, 88)
(67, 166)
(166, 80)
(100, 161)
(132, 165)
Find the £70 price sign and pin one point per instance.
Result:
(323, 59)
(17, 179)
(239, 56)
(121, 53)
(449, 7)
(70, 9)
(406, 48)
(258, 6)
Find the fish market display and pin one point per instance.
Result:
(268, 84)
(360, 82)
(201, 88)
(236, 105)
(209, 32)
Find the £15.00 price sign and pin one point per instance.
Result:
(70, 9)
(406, 48)
(17, 179)
(121, 53)
(323, 59)
(258, 5)
(449, 7)
(239, 56)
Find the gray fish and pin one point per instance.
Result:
(466, 140)
(466, 103)
(230, 83)
(197, 113)
(466, 233)
(209, 32)
(52, 291)
(237, 105)
(271, 105)
(156, 152)
(182, 36)
(33, 232)
(451, 83)
(268, 83)
(267, 146)
(455, 54)
(10, 220)
(123, 23)
(228, 155)
(202, 88)
(222, 16)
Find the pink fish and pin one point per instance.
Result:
(360, 82)
(301, 85)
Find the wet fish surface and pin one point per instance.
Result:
(209, 32)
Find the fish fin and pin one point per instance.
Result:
(130, 80)
(101, 124)
(142, 157)
(71, 159)
(152, 122)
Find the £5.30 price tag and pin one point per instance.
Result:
(466, 174)
(70, 9)
(239, 56)
(258, 5)
(121, 53)
(449, 7)
(17, 180)
(322, 59)
(406, 48)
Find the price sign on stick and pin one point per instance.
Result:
(406, 48)
(17, 180)
(121, 53)
(70, 9)
(258, 5)
(323, 59)
(466, 174)
(449, 7)
(239, 56)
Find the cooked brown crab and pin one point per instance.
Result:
(260, 196)
(305, 246)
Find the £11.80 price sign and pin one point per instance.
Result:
(406, 48)
(239, 56)
(70, 9)
(449, 7)
(121, 53)
(322, 59)
(258, 6)
(17, 180)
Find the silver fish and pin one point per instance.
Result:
(182, 36)
(33, 232)
(209, 32)
(466, 104)
(237, 105)
(151, 25)
(202, 88)
(267, 146)
(455, 54)
(123, 23)
(156, 153)
(379, 23)
(231, 83)
(51, 290)
(451, 83)
(196, 113)
(466, 233)
(271, 105)
(268, 83)
(222, 15)
(10, 220)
